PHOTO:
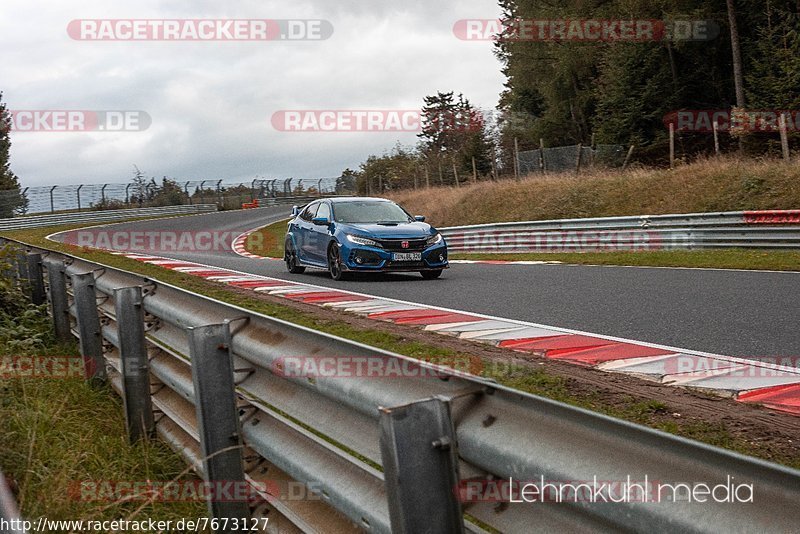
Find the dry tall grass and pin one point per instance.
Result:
(706, 185)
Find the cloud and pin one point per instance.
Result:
(211, 102)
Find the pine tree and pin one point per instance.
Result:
(11, 199)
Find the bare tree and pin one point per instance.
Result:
(738, 76)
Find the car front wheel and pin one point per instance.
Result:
(335, 263)
(291, 260)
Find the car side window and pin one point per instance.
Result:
(324, 211)
(309, 212)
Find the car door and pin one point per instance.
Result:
(303, 234)
(318, 247)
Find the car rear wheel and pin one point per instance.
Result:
(430, 275)
(291, 260)
(335, 263)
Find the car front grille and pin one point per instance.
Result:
(396, 245)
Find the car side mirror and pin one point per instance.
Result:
(295, 211)
(321, 221)
(419, 218)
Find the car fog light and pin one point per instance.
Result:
(359, 259)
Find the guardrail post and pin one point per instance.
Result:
(420, 462)
(91, 341)
(58, 297)
(217, 414)
(22, 267)
(135, 366)
(35, 279)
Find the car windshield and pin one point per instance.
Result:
(369, 211)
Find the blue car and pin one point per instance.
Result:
(357, 234)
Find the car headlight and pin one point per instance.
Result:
(362, 241)
(434, 240)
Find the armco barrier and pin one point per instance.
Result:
(39, 221)
(411, 453)
(753, 229)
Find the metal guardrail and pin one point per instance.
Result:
(376, 454)
(39, 221)
(760, 230)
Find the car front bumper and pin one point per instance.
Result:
(373, 259)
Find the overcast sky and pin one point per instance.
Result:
(211, 102)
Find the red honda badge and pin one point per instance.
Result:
(404, 244)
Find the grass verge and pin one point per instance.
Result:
(536, 381)
(59, 436)
(267, 241)
(722, 184)
(778, 260)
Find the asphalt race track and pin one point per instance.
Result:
(735, 313)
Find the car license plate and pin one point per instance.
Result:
(407, 256)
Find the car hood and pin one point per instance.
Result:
(410, 230)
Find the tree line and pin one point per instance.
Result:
(562, 91)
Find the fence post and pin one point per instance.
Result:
(715, 126)
(628, 157)
(217, 415)
(787, 155)
(578, 163)
(135, 365)
(22, 267)
(52, 204)
(91, 341)
(474, 171)
(671, 145)
(516, 158)
(455, 173)
(35, 279)
(58, 297)
(542, 164)
(78, 193)
(420, 462)
(427, 177)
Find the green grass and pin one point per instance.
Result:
(267, 241)
(777, 260)
(56, 433)
(535, 381)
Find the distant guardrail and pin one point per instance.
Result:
(417, 449)
(40, 221)
(738, 229)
